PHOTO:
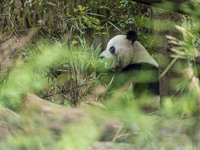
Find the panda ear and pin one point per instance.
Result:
(132, 35)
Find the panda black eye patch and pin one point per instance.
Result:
(112, 49)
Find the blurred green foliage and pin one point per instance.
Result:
(37, 72)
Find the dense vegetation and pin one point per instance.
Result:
(55, 93)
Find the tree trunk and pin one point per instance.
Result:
(168, 77)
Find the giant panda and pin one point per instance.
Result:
(125, 55)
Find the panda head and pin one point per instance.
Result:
(123, 50)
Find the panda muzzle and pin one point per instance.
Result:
(101, 57)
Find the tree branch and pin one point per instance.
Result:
(150, 2)
(187, 7)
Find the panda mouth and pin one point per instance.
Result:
(109, 63)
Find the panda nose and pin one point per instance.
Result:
(101, 57)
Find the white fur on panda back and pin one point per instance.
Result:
(140, 54)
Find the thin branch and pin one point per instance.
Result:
(168, 67)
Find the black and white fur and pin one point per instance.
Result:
(124, 54)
